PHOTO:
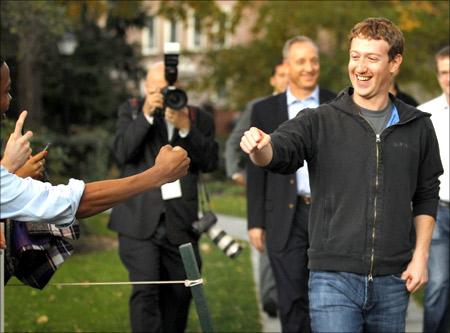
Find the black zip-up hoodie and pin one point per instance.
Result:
(365, 189)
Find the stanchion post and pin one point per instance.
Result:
(2, 291)
(192, 273)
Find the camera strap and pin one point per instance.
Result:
(203, 195)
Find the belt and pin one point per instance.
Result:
(444, 203)
(304, 199)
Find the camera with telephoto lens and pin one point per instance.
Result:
(225, 242)
(173, 97)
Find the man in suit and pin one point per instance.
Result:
(153, 225)
(278, 205)
(235, 161)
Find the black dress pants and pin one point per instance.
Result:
(156, 308)
(290, 268)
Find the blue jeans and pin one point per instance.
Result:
(348, 302)
(437, 292)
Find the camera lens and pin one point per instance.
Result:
(225, 242)
(175, 99)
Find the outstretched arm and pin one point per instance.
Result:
(171, 164)
(31, 200)
(257, 145)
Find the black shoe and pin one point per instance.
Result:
(270, 307)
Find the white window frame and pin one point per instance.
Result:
(191, 34)
(168, 30)
(147, 49)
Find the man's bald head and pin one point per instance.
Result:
(155, 80)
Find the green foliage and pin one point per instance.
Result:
(241, 71)
(87, 87)
(42, 20)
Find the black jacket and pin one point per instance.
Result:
(136, 146)
(274, 213)
(356, 194)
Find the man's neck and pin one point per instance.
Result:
(375, 104)
(301, 93)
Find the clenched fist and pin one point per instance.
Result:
(172, 163)
(257, 145)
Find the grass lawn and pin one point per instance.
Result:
(227, 198)
(229, 288)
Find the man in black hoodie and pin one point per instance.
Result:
(374, 166)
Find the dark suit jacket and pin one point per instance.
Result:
(272, 198)
(136, 146)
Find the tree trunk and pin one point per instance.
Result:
(29, 82)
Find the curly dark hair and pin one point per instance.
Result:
(380, 28)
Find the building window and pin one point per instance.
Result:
(195, 39)
(197, 32)
(149, 42)
(173, 32)
(151, 32)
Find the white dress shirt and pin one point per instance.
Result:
(439, 110)
(296, 105)
(31, 200)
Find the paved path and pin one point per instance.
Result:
(237, 227)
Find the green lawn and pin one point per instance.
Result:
(229, 288)
(228, 198)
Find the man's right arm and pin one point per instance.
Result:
(31, 200)
(257, 145)
(170, 165)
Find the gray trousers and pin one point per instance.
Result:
(267, 287)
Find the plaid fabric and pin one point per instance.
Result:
(38, 249)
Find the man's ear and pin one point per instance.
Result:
(395, 63)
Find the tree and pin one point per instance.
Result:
(242, 71)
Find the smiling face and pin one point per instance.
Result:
(5, 85)
(303, 65)
(371, 71)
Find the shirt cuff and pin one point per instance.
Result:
(183, 132)
(150, 119)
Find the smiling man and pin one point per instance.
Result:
(278, 206)
(374, 166)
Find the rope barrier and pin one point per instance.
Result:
(187, 283)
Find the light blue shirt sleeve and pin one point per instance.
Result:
(31, 200)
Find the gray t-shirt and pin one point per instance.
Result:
(377, 119)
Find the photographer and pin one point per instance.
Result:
(152, 226)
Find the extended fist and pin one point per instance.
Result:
(254, 139)
(173, 163)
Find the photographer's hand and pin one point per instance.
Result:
(179, 118)
(153, 100)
